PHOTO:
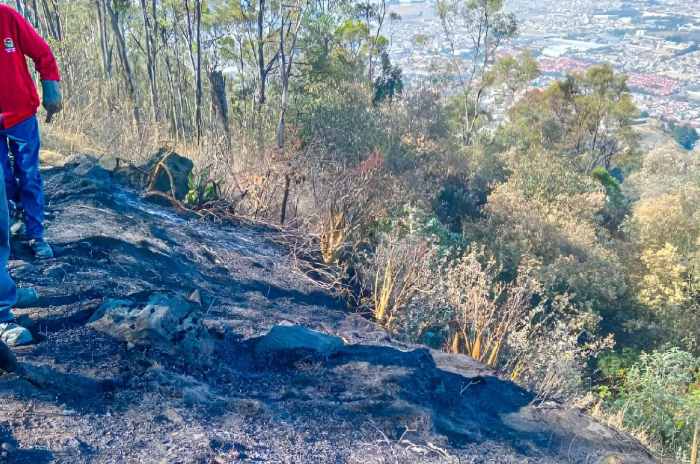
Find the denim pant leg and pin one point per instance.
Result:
(10, 182)
(8, 291)
(24, 144)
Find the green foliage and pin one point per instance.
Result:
(341, 120)
(660, 396)
(664, 228)
(613, 367)
(389, 84)
(514, 72)
(586, 117)
(456, 202)
(202, 189)
(616, 204)
(549, 213)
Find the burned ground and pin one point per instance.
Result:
(102, 400)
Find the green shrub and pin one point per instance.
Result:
(660, 395)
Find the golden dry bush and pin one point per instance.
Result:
(486, 309)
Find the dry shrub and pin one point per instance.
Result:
(541, 342)
(344, 204)
(333, 236)
(550, 353)
(401, 269)
(486, 310)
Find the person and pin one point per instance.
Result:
(19, 128)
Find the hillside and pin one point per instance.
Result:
(218, 390)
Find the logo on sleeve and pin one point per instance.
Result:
(9, 45)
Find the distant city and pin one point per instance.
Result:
(655, 42)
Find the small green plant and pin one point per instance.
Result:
(202, 189)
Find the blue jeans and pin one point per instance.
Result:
(23, 180)
(8, 291)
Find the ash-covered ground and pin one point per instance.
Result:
(202, 393)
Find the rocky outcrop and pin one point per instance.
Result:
(166, 173)
(171, 324)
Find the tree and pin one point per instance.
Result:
(116, 8)
(150, 32)
(389, 84)
(485, 27)
(585, 118)
(291, 16)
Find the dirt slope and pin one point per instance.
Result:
(374, 401)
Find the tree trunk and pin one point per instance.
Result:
(175, 115)
(220, 100)
(194, 40)
(198, 21)
(285, 197)
(149, 34)
(105, 51)
(286, 63)
(53, 19)
(35, 17)
(20, 8)
(373, 46)
(262, 69)
(124, 57)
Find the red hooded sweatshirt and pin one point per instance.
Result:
(18, 96)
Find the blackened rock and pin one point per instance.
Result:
(283, 341)
(179, 169)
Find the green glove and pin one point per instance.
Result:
(52, 99)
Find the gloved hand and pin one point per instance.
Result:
(52, 99)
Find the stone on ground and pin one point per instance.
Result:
(169, 323)
(26, 297)
(15, 335)
(294, 338)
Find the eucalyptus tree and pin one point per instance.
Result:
(480, 26)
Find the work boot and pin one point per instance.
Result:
(41, 248)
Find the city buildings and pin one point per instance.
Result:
(656, 43)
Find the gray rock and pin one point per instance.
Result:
(168, 323)
(15, 335)
(295, 338)
(26, 297)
